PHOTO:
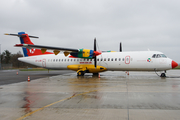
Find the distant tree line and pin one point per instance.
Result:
(8, 58)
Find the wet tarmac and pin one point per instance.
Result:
(115, 95)
(10, 76)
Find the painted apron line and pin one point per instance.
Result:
(53, 104)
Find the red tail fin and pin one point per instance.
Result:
(24, 38)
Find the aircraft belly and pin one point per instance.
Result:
(57, 65)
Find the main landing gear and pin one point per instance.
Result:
(80, 73)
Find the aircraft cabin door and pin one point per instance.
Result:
(44, 63)
(127, 60)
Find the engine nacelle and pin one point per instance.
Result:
(89, 68)
(83, 53)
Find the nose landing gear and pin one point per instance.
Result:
(163, 75)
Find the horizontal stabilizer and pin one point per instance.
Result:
(21, 35)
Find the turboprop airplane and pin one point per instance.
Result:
(92, 61)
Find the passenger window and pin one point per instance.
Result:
(64, 59)
(111, 59)
(115, 59)
(108, 59)
(123, 59)
(98, 59)
(101, 59)
(119, 59)
(104, 59)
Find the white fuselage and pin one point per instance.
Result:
(114, 61)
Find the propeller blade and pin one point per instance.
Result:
(94, 44)
(120, 49)
(95, 61)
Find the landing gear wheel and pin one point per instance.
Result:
(163, 74)
(80, 73)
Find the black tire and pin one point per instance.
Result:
(163, 75)
(80, 73)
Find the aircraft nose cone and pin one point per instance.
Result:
(174, 64)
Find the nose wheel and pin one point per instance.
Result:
(163, 75)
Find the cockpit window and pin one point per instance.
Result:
(159, 56)
(154, 56)
(162, 55)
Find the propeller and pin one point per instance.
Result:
(95, 53)
(120, 49)
(95, 58)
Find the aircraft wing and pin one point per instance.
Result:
(76, 53)
(56, 50)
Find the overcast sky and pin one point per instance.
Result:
(139, 24)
